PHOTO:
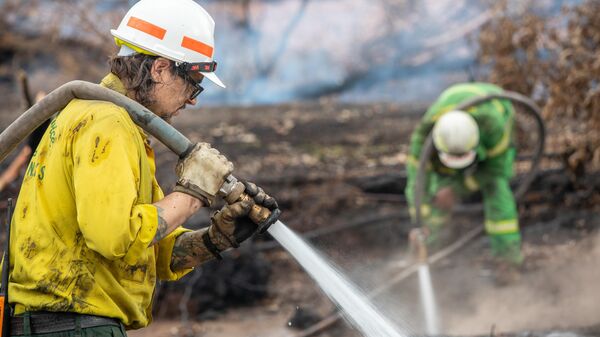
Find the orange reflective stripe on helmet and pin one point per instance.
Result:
(197, 46)
(179, 30)
(146, 27)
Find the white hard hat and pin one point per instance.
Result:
(455, 136)
(179, 30)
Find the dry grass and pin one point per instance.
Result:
(555, 60)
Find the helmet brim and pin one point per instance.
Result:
(213, 78)
(457, 161)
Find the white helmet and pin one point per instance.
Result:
(455, 136)
(179, 30)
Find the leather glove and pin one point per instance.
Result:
(202, 173)
(260, 197)
(229, 227)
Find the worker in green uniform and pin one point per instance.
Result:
(92, 230)
(474, 151)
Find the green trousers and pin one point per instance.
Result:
(501, 218)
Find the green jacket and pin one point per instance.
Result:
(495, 120)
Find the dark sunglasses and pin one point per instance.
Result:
(184, 70)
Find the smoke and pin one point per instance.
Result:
(289, 50)
(560, 292)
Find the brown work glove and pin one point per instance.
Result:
(202, 173)
(260, 197)
(229, 227)
(264, 200)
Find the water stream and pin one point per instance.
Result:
(428, 301)
(357, 307)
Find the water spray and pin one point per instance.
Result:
(357, 307)
(418, 245)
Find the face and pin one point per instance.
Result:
(171, 92)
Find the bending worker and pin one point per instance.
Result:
(92, 230)
(473, 152)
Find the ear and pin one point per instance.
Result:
(161, 70)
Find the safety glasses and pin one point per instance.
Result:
(186, 70)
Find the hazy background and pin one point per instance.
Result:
(274, 51)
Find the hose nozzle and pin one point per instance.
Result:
(417, 239)
(233, 191)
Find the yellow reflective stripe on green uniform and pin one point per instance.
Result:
(442, 111)
(412, 160)
(496, 103)
(504, 142)
(425, 210)
(479, 92)
(436, 220)
(471, 183)
(502, 226)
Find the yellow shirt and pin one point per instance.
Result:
(84, 219)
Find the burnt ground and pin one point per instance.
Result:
(337, 171)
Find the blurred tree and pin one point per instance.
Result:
(555, 60)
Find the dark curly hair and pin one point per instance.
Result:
(134, 71)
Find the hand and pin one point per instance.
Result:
(260, 197)
(202, 173)
(445, 198)
(231, 225)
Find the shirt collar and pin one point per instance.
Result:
(113, 82)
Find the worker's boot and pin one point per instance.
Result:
(506, 273)
(508, 259)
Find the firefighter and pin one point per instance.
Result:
(92, 230)
(474, 151)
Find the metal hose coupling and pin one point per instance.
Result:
(233, 191)
(418, 244)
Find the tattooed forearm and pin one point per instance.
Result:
(162, 229)
(189, 251)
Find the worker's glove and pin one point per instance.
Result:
(260, 197)
(202, 173)
(229, 227)
(264, 200)
(232, 225)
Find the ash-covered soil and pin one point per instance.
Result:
(333, 165)
(337, 171)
